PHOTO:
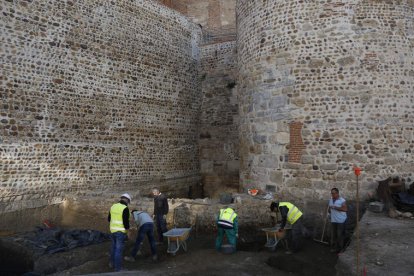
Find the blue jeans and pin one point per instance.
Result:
(161, 226)
(118, 239)
(145, 229)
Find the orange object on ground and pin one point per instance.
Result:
(253, 192)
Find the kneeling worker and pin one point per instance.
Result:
(145, 225)
(291, 214)
(227, 222)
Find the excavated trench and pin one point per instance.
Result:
(201, 258)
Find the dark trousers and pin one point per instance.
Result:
(295, 238)
(231, 237)
(161, 226)
(145, 229)
(117, 246)
(337, 235)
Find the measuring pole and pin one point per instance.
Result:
(357, 173)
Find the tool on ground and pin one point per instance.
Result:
(324, 227)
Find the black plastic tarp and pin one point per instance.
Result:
(53, 240)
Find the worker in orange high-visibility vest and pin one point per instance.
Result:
(292, 215)
(118, 218)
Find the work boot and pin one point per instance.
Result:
(129, 259)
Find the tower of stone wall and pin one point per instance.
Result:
(96, 95)
(325, 85)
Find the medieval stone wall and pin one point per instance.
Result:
(96, 95)
(217, 17)
(219, 140)
(324, 86)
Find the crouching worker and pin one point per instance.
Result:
(145, 224)
(291, 214)
(227, 222)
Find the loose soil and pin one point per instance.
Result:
(201, 259)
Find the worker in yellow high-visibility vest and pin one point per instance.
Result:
(227, 222)
(292, 215)
(118, 218)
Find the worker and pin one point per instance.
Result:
(160, 213)
(337, 210)
(227, 222)
(118, 218)
(145, 226)
(292, 215)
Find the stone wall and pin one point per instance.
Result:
(217, 17)
(219, 141)
(343, 71)
(96, 95)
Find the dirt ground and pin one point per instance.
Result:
(201, 259)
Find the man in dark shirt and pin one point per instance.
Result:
(160, 213)
(118, 219)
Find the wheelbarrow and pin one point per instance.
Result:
(273, 236)
(177, 237)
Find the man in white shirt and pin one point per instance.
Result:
(337, 209)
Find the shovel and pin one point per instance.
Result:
(323, 231)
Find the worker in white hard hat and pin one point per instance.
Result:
(118, 219)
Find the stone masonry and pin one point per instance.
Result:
(120, 95)
(216, 17)
(219, 140)
(341, 69)
(96, 95)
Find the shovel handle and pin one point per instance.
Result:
(324, 224)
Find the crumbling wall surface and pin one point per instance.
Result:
(201, 214)
(95, 95)
(386, 247)
(323, 86)
(219, 139)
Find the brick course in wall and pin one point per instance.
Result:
(96, 95)
(295, 142)
(344, 69)
(217, 17)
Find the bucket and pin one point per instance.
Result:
(227, 249)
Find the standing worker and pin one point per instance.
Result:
(160, 213)
(291, 214)
(227, 222)
(118, 218)
(145, 225)
(337, 209)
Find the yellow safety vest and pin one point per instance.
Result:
(117, 223)
(227, 217)
(294, 213)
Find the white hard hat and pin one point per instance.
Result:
(126, 195)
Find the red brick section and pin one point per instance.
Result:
(178, 5)
(296, 143)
